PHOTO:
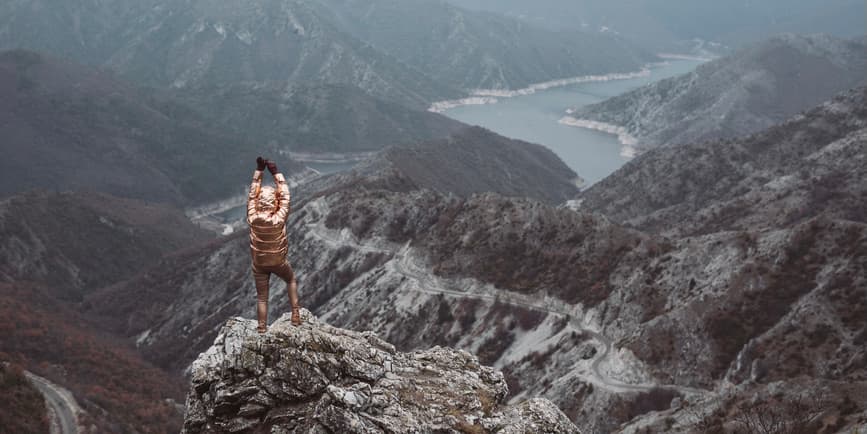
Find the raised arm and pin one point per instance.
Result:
(282, 195)
(255, 188)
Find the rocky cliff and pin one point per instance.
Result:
(319, 378)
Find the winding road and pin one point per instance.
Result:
(430, 284)
(62, 408)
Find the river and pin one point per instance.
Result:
(534, 118)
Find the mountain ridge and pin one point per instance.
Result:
(745, 92)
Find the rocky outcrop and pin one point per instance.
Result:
(319, 378)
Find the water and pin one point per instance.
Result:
(533, 118)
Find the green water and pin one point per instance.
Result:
(533, 118)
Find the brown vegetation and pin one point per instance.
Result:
(23, 410)
(113, 384)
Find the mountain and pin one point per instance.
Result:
(321, 378)
(411, 53)
(472, 160)
(666, 25)
(185, 146)
(463, 171)
(396, 253)
(739, 94)
(207, 42)
(76, 242)
(808, 166)
(69, 127)
(310, 119)
(677, 332)
(473, 50)
(117, 390)
(55, 250)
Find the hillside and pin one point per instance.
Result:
(55, 250)
(477, 50)
(184, 146)
(207, 42)
(809, 166)
(311, 118)
(68, 127)
(472, 160)
(77, 242)
(24, 408)
(678, 25)
(117, 390)
(748, 91)
(378, 46)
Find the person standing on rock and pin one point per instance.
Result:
(267, 212)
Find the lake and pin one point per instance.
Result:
(533, 118)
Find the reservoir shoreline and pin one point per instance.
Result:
(541, 114)
(489, 96)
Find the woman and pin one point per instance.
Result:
(267, 212)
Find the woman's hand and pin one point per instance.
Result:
(272, 167)
(260, 164)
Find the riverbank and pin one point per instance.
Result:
(627, 141)
(537, 116)
(489, 96)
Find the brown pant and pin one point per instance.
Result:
(262, 277)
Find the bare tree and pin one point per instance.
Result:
(797, 416)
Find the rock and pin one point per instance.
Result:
(319, 378)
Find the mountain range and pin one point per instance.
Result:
(299, 42)
(472, 50)
(56, 250)
(696, 289)
(312, 119)
(667, 323)
(663, 331)
(748, 91)
(687, 26)
(70, 127)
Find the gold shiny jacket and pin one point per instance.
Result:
(267, 212)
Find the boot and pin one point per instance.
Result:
(262, 328)
(296, 315)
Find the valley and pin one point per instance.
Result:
(535, 117)
(505, 217)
